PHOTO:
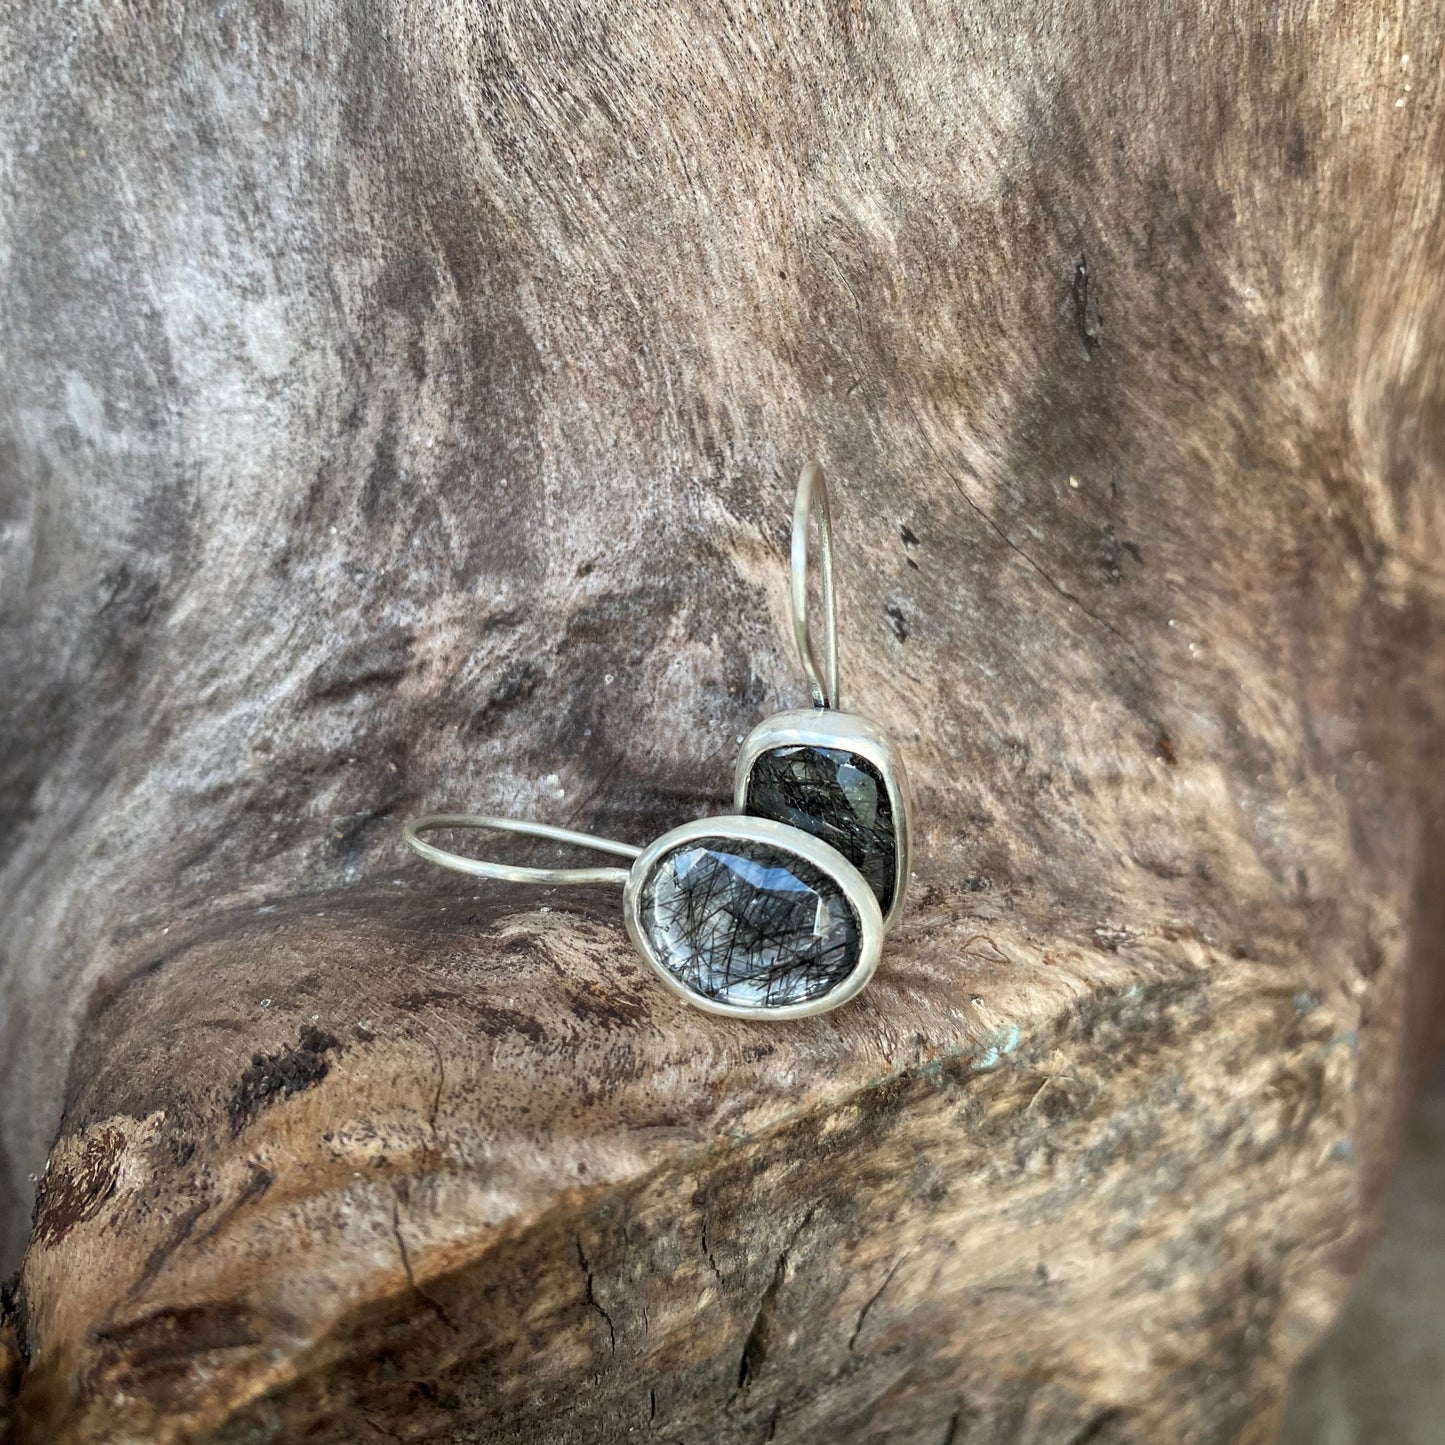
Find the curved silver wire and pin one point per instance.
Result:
(812, 500)
(514, 872)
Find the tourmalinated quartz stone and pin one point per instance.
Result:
(837, 796)
(749, 923)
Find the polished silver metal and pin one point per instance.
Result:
(812, 501)
(803, 845)
(512, 872)
(847, 732)
(824, 725)
(823, 856)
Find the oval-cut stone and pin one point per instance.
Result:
(836, 795)
(749, 923)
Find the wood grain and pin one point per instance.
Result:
(399, 410)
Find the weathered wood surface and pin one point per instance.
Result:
(399, 409)
(1379, 1378)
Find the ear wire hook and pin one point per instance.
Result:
(811, 501)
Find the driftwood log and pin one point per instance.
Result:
(399, 410)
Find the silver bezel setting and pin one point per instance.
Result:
(821, 855)
(829, 728)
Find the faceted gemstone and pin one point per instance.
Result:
(835, 795)
(749, 923)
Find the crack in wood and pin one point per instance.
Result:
(874, 1298)
(755, 1347)
(592, 1300)
(707, 1250)
(433, 1150)
(434, 1305)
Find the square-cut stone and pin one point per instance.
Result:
(836, 795)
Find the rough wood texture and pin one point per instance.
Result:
(1379, 1379)
(399, 409)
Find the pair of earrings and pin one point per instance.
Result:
(779, 910)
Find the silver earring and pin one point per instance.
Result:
(739, 916)
(830, 773)
(779, 912)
